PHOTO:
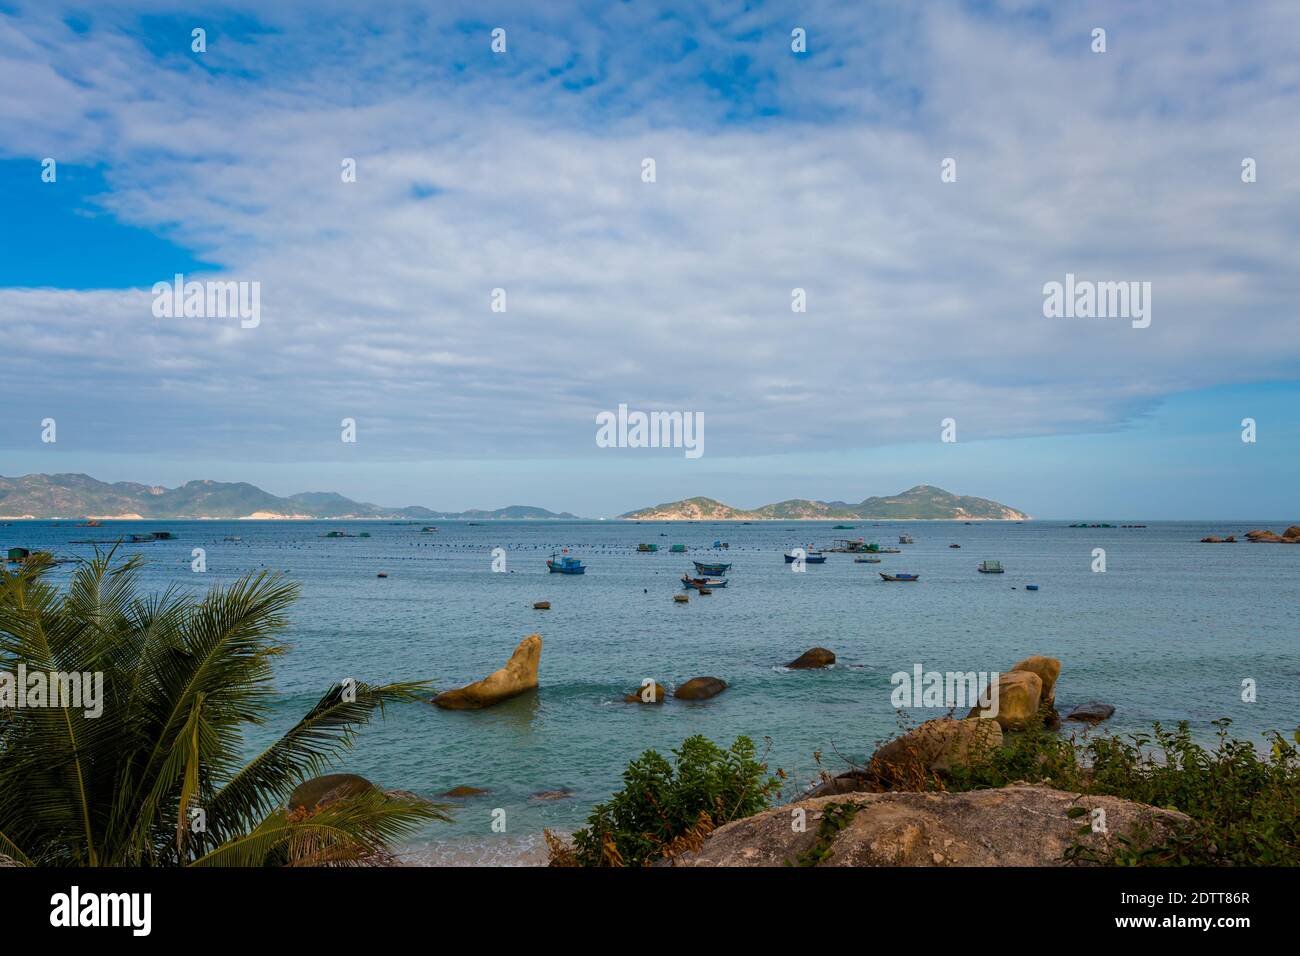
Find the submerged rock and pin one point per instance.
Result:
(812, 658)
(1091, 713)
(1018, 825)
(460, 792)
(561, 794)
(519, 675)
(700, 688)
(643, 695)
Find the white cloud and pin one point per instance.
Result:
(924, 298)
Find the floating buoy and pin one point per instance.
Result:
(680, 598)
(542, 606)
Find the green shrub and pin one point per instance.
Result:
(1244, 806)
(665, 807)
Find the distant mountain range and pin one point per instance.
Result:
(924, 502)
(80, 496)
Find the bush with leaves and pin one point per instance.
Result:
(1244, 805)
(181, 679)
(666, 807)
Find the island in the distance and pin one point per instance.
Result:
(924, 502)
(80, 496)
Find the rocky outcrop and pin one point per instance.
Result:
(1290, 536)
(1048, 670)
(643, 694)
(1019, 696)
(1211, 539)
(1091, 713)
(812, 658)
(936, 746)
(700, 688)
(519, 675)
(1018, 825)
(318, 792)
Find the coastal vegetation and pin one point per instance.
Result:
(665, 808)
(155, 777)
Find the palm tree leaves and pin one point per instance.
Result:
(181, 680)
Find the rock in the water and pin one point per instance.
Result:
(811, 658)
(1091, 713)
(542, 606)
(1019, 694)
(562, 794)
(1048, 670)
(1017, 825)
(519, 675)
(1290, 536)
(644, 695)
(321, 791)
(466, 792)
(700, 688)
(936, 746)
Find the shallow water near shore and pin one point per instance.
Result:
(1168, 633)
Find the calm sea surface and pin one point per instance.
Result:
(1167, 633)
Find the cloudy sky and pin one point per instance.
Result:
(774, 170)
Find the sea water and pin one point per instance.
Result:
(1168, 632)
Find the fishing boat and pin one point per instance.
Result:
(565, 564)
(990, 567)
(866, 560)
(703, 584)
(647, 548)
(711, 570)
(812, 557)
(900, 577)
(842, 527)
(904, 539)
(1031, 587)
(722, 544)
(954, 546)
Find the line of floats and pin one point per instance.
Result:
(711, 575)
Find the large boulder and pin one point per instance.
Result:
(318, 792)
(1048, 670)
(812, 658)
(1292, 533)
(936, 746)
(519, 675)
(700, 688)
(1018, 825)
(1019, 696)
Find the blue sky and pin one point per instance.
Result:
(775, 171)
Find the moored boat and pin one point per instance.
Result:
(559, 563)
(703, 584)
(866, 560)
(811, 557)
(990, 567)
(647, 548)
(904, 539)
(900, 577)
(711, 570)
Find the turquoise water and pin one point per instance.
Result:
(1167, 633)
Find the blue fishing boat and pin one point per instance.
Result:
(711, 570)
(565, 564)
(703, 584)
(812, 557)
(900, 577)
